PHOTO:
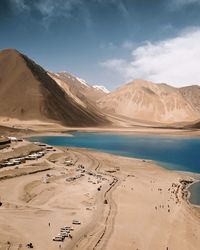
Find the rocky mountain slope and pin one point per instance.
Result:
(148, 101)
(27, 92)
(192, 95)
(78, 87)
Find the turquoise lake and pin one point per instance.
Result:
(171, 152)
(195, 191)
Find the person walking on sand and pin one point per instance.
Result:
(9, 244)
(49, 224)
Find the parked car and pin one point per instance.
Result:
(58, 238)
(76, 222)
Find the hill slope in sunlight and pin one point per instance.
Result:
(147, 101)
(27, 92)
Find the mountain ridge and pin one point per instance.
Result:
(32, 94)
(29, 92)
(149, 101)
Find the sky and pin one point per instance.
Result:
(108, 42)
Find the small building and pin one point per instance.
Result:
(12, 139)
(45, 179)
(68, 162)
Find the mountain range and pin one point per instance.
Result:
(147, 101)
(29, 92)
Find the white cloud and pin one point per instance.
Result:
(119, 4)
(57, 8)
(184, 2)
(128, 45)
(51, 9)
(178, 4)
(108, 46)
(175, 61)
(122, 8)
(20, 4)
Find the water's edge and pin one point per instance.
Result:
(192, 190)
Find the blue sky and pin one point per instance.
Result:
(107, 42)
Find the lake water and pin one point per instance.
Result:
(195, 191)
(171, 152)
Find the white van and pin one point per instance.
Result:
(58, 238)
(76, 222)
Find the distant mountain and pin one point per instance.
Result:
(102, 88)
(27, 92)
(78, 87)
(149, 102)
(192, 95)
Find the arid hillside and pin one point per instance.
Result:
(27, 92)
(30, 93)
(77, 87)
(151, 102)
(192, 95)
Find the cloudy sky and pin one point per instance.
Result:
(108, 42)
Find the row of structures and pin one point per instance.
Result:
(34, 155)
(66, 231)
(9, 139)
(19, 160)
(6, 141)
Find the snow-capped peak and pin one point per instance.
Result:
(82, 81)
(102, 88)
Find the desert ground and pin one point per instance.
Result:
(121, 203)
(15, 127)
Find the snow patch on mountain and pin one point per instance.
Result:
(102, 88)
(82, 81)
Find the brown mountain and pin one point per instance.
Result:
(27, 92)
(192, 95)
(151, 102)
(77, 87)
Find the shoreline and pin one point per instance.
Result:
(190, 193)
(192, 174)
(146, 131)
(37, 128)
(115, 132)
(158, 162)
(130, 194)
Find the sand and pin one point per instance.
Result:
(14, 127)
(144, 206)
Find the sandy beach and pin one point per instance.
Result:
(121, 203)
(34, 127)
